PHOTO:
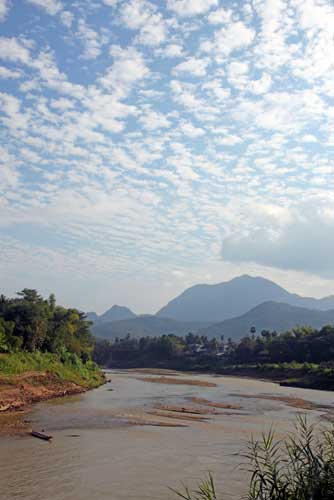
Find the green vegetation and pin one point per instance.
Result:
(299, 468)
(163, 351)
(300, 357)
(73, 369)
(38, 335)
(301, 345)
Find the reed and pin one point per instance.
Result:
(301, 467)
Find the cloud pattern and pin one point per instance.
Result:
(151, 142)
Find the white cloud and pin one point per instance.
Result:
(220, 16)
(8, 73)
(154, 33)
(229, 140)
(262, 85)
(287, 245)
(52, 7)
(4, 9)
(190, 130)
(67, 18)
(234, 36)
(187, 8)
(127, 160)
(91, 39)
(8, 172)
(309, 138)
(238, 74)
(282, 111)
(136, 13)
(11, 107)
(141, 15)
(153, 120)
(129, 67)
(171, 50)
(194, 66)
(12, 49)
(215, 88)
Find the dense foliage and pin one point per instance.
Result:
(301, 357)
(299, 468)
(152, 351)
(299, 344)
(31, 323)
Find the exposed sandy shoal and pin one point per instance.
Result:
(213, 404)
(294, 402)
(177, 416)
(177, 381)
(186, 409)
(148, 417)
(155, 371)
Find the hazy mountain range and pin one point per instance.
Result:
(233, 298)
(270, 316)
(146, 326)
(230, 308)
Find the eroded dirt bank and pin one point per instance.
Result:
(17, 393)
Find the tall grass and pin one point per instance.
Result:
(298, 468)
(71, 369)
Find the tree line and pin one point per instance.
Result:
(301, 345)
(149, 351)
(31, 323)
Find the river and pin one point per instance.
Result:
(107, 445)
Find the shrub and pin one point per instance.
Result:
(299, 468)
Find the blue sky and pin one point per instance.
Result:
(148, 146)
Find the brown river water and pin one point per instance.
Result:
(107, 445)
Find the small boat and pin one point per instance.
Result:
(41, 435)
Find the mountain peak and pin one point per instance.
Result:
(114, 313)
(233, 298)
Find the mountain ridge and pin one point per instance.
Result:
(220, 301)
(145, 326)
(272, 316)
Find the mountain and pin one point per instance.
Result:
(115, 313)
(145, 326)
(233, 298)
(270, 316)
(92, 316)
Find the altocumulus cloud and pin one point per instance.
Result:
(140, 137)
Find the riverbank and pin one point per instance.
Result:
(302, 375)
(28, 378)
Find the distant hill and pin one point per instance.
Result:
(145, 326)
(92, 316)
(233, 298)
(115, 313)
(270, 316)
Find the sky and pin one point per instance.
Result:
(146, 146)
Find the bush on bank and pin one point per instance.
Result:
(298, 468)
